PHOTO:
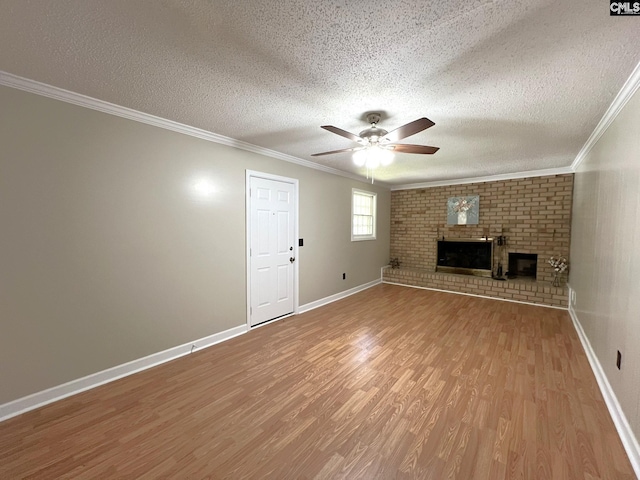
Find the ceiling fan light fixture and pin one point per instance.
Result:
(372, 157)
(373, 161)
(360, 157)
(386, 156)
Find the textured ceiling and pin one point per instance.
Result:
(512, 85)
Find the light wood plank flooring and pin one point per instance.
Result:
(390, 383)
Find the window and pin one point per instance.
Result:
(363, 215)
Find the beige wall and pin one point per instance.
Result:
(605, 254)
(107, 256)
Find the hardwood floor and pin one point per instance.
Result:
(390, 383)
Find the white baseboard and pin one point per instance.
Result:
(337, 296)
(476, 295)
(627, 437)
(39, 399)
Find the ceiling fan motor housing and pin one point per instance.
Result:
(373, 134)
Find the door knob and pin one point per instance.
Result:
(292, 259)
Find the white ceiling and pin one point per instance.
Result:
(512, 86)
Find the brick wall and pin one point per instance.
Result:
(533, 213)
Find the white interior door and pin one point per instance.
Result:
(272, 252)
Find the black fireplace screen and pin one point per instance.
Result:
(463, 254)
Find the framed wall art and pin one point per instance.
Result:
(463, 210)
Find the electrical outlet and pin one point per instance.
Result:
(344, 276)
(619, 360)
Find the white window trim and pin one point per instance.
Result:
(359, 238)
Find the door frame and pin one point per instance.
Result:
(278, 178)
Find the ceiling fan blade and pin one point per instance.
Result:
(342, 133)
(337, 151)
(409, 129)
(404, 148)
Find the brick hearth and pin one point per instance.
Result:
(521, 290)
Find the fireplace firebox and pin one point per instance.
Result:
(468, 256)
(523, 265)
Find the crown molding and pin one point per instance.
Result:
(14, 81)
(624, 95)
(490, 178)
(56, 93)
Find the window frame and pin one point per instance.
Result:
(374, 197)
